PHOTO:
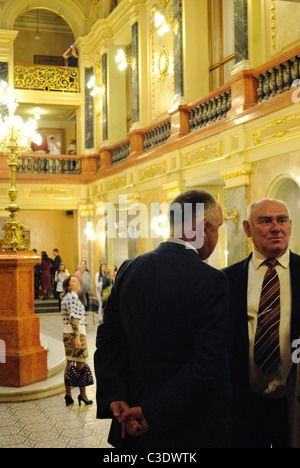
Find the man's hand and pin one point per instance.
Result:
(118, 408)
(135, 422)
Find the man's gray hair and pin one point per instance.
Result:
(253, 204)
(192, 198)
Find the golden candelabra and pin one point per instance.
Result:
(13, 229)
(15, 137)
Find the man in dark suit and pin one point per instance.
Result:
(260, 394)
(55, 264)
(161, 362)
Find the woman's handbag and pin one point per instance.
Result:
(86, 376)
(79, 378)
(72, 376)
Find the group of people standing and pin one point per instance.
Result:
(190, 356)
(48, 275)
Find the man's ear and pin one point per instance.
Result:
(247, 228)
(206, 225)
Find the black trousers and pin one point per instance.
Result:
(268, 422)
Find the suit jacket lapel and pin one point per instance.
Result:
(295, 284)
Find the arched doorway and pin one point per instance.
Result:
(287, 189)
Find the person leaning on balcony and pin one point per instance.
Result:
(43, 146)
(72, 60)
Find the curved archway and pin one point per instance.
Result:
(74, 16)
(287, 189)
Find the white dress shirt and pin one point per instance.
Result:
(273, 385)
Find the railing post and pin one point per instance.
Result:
(136, 138)
(180, 122)
(105, 158)
(243, 92)
(89, 164)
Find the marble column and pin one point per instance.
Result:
(236, 201)
(23, 359)
(86, 246)
(178, 51)
(135, 73)
(104, 99)
(4, 77)
(237, 242)
(89, 111)
(240, 30)
(242, 83)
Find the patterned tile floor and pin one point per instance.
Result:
(47, 422)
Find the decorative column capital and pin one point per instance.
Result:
(236, 176)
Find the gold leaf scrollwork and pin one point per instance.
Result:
(46, 78)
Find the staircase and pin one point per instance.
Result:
(46, 307)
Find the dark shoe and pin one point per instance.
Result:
(86, 402)
(69, 400)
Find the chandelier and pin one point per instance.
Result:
(15, 137)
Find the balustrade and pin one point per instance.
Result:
(47, 165)
(278, 79)
(46, 78)
(157, 136)
(210, 111)
(273, 79)
(120, 153)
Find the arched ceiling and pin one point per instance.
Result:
(72, 12)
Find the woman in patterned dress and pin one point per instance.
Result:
(74, 333)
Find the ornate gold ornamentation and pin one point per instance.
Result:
(13, 229)
(231, 175)
(212, 152)
(163, 63)
(47, 192)
(116, 184)
(273, 23)
(152, 171)
(232, 215)
(46, 78)
(285, 122)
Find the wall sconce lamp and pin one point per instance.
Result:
(96, 89)
(160, 24)
(89, 231)
(164, 23)
(123, 61)
(232, 215)
(37, 113)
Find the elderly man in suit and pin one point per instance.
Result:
(161, 362)
(265, 308)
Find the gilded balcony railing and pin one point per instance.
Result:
(46, 78)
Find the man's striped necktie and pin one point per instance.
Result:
(266, 345)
